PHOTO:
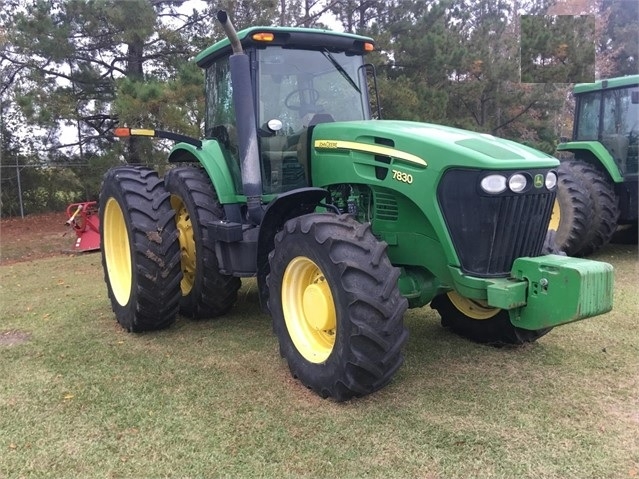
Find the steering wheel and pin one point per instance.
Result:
(313, 96)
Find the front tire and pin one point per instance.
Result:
(206, 293)
(336, 307)
(480, 323)
(139, 247)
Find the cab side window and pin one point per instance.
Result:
(220, 115)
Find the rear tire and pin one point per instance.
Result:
(605, 208)
(140, 249)
(206, 293)
(572, 214)
(336, 307)
(472, 320)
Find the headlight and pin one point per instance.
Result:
(551, 180)
(493, 184)
(517, 183)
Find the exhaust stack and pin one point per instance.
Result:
(245, 117)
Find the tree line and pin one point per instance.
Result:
(73, 69)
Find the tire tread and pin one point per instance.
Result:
(213, 293)
(370, 361)
(153, 238)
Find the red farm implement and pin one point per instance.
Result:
(84, 219)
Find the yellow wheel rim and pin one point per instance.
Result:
(187, 244)
(309, 310)
(474, 309)
(117, 253)
(555, 217)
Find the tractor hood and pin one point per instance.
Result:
(428, 144)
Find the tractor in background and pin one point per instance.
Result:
(346, 221)
(597, 191)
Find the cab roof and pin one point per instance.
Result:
(288, 37)
(606, 84)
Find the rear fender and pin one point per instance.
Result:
(595, 153)
(226, 182)
(286, 206)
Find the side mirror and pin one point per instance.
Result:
(274, 125)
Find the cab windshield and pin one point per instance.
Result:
(294, 85)
(296, 90)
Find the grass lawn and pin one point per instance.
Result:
(79, 397)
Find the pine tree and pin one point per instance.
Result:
(619, 41)
(73, 57)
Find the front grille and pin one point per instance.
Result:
(490, 231)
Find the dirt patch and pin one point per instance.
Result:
(35, 237)
(12, 338)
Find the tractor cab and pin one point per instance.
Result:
(299, 78)
(605, 158)
(608, 112)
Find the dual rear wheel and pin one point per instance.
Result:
(586, 210)
(158, 258)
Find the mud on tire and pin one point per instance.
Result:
(139, 248)
(206, 293)
(337, 311)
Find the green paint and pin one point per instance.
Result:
(597, 151)
(390, 173)
(221, 168)
(561, 290)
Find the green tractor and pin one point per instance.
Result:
(597, 190)
(345, 221)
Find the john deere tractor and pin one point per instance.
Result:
(597, 190)
(345, 221)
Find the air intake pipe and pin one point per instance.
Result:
(245, 122)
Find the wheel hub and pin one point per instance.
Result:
(187, 244)
(318, 306)
(309, 309)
